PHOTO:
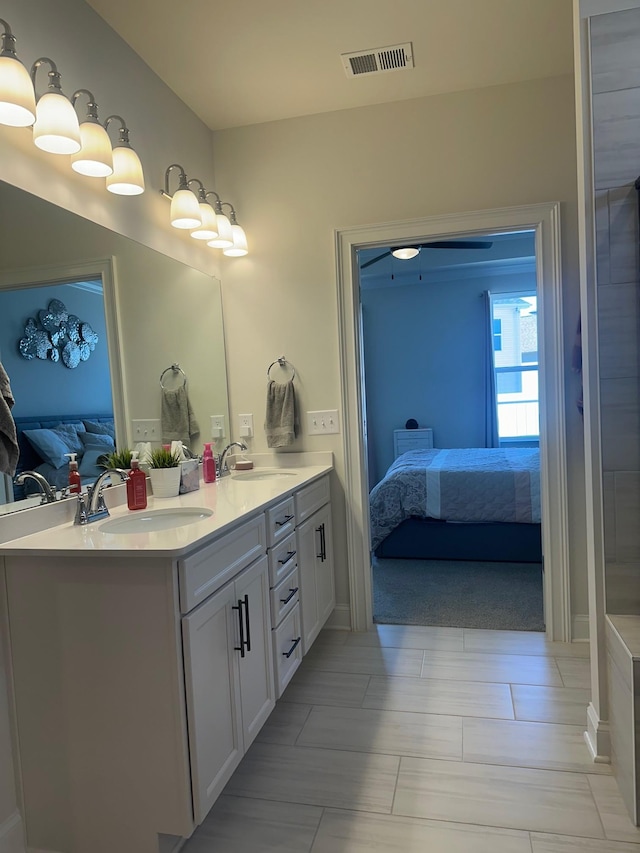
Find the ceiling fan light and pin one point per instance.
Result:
(405, 253)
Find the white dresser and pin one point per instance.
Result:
(411, 439)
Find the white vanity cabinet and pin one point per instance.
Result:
(315, 558)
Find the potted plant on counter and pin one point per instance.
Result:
(164, 471)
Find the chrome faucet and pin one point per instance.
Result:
(46, 489)
(91, 506)
(223, 468)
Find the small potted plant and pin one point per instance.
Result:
(116, 459)
(164, 471)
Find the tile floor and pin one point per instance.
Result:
(407, 740)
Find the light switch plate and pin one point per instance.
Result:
(217, 426)
(147, 430)
(323, 423)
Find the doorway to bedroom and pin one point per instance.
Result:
(450, 381)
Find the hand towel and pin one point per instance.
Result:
(176, 415)
(9, 450)
(281, 418)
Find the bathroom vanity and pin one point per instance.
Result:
(144, 662)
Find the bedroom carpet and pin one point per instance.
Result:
(458, 594)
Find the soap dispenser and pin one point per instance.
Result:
(136, 484)
(75, 483)
(208, 464)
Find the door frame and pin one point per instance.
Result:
(544, 220)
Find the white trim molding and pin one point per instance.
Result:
(544, 221)
(340, 619)
(580, 628)
(12, 834)
(597, 736)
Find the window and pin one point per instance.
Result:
(515, 361)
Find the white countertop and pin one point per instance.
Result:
(230, 498)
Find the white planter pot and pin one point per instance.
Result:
(165, 482)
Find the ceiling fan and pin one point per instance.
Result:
(410, 251)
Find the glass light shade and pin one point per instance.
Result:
(405, 253)
(224, 240)
(56, 129)
(239, 247)
(127, 177)
(209, 228)
(17, 98)
(185, 210)
(95, 158)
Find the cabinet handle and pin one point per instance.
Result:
(248, 626)
(286, 520)
(322, 556)
(292, 649)
(240, 648)
(289, 597)
(290, 554)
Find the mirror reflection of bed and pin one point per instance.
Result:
(449, 348)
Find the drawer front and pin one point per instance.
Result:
(204, 572)
(284, 597)
(281, 521)
(282, 558)
(311, 498)
(287, 649)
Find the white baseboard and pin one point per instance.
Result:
(12, 834)
(170, 843)
(340, 619)
(580, 628)
(598, 737)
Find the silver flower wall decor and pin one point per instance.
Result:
(56, 335)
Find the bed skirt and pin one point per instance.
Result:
(431, 539)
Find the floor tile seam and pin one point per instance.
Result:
(536, 722)
(367, 674)
(399, 756)
(492, 681)
(599, 813)
(322, 706)
(292, 802)
(315, 834)
(584, 772)
(428, 713)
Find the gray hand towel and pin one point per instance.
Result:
(281, 418)
(9, 450)
(176, 414)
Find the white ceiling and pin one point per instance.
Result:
(243, 62)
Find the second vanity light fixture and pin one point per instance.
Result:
(193, 212)
(56, 128)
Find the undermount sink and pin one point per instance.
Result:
(262, 474)
(146, 521)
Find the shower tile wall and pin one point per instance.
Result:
(615, 70)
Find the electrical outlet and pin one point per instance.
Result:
(217, 426)
(323, 423)
(245, 423)
(149, 430)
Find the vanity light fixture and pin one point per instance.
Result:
(17, 96)
(185, 209)
(127, 177)
(405, 253)
(239, 247)
(208, 230)
(56, 128)
(95, 157)
(224, 240)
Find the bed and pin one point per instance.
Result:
(43, 443)
(459, 504)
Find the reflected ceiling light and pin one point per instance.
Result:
(95, 157)
(56, 128)
(239, 247)
(224, 240)
(405, 253)
(185, 209)
(17, 96)
(127, 177)
(208, 230)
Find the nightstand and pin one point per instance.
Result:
(411, 439)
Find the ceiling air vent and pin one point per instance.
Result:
(379, 60)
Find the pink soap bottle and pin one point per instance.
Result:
(208, 464)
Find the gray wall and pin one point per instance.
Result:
(615, 70)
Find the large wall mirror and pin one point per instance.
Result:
(147, 310)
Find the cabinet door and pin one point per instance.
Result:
(257, 688)
(213, 696)
(315, 565)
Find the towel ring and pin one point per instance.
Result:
(282, 361)
(176, 369)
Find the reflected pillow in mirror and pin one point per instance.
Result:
(70, 434)
(101, 428)
(89, 468)
(50, 444)
(91, 439)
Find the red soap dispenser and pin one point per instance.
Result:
(75, 483)
(136, 484)
(208, 464)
